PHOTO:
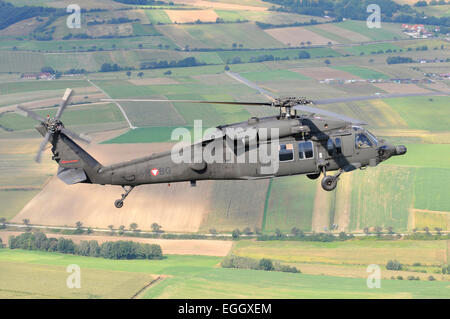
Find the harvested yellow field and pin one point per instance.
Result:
(296, 35)
(431, 219)
(321, 212)
(178, 208)
(343, 202)
(220, 5)
(186, 16)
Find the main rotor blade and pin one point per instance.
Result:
(64, 102)
(42, 146)
(188, 101)
(315, 110)
(31, 114)
(250, 84)
(374, 97)
(75, 135)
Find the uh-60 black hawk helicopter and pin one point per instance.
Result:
(310, 140)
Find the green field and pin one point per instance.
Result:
(423, 113)
(364, 73)
(236, 204)
(78, 115)
(424, 155)
(27, 86)
(220, 36)
(381, 196)
(149, 42)
(291, 203)
(190, 277)
(144, 29)
(431, 189)
(274, 75)
(388, 31)
(371, 48)
(157, 16)
(14, 200)
(247, 55)
(351, 252)
(145, 135)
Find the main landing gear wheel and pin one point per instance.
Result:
(329, 183)
(119, 202)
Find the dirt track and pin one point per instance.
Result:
(168, 246)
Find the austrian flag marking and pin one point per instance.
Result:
(154, 171)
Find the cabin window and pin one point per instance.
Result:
(338, 144)
(330, 146)
(305, 150)
(362, 141)
(286, 152)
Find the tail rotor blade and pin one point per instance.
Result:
(65, 100)
(76, 135)
(31, 114)
(42, 146)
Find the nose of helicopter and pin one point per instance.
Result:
(400, 150)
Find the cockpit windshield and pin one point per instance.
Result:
(362, 141)
(374, 139)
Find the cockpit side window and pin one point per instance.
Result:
(330, 146)
(362, 141)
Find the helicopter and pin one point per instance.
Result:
(308, 141)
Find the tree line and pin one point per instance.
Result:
(357, 10)
(266, 264)
(110, 249)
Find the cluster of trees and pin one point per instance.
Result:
(187, 62)
(267, 57)
(263, 25)
(394, 265)
(108, 67)
(9, 14)
(398, 59)
(266, 264)
(112, 250)
(297, 234)
(432, 3)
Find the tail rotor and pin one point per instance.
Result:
(53, 125)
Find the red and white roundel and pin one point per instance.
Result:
(154, 171)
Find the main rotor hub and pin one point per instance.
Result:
(290, 101)
(54, 125)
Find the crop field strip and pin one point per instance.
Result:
(198, 277)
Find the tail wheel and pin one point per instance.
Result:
(329, 183)
(118, 203)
